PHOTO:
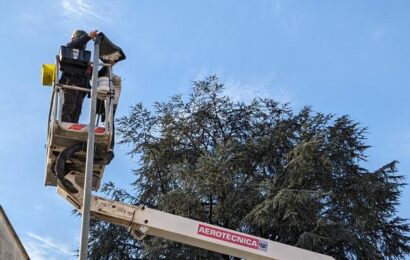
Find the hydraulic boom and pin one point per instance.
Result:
(142, 221)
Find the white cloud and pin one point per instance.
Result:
(66, 15)
(39, 207)
(202, 73)
(41, 248)
(185, 86)
(240, 90)
(263, 88)
(83, 12)
(284, 18)
(79, 9)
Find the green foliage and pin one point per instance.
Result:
(259, 168)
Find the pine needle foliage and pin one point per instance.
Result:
(260, 168)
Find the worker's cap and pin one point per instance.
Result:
(78, 33)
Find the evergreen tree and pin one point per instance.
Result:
(259, 168)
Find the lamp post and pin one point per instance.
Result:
(85, 210)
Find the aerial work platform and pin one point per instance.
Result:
(73, 147)
(62, 135)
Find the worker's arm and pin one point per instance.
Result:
(81, 42)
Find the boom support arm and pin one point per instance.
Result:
(142, 221)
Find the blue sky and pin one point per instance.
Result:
(341, 57)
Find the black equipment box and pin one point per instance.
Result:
(74, 58)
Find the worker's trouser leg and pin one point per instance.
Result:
(113, 127)
(78, 106)
(70, 99)
(73, 102)
(110, 154)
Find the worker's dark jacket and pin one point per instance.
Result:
(80, 79)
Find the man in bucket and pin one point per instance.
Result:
(73, 99)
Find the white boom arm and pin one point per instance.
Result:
(143, 221)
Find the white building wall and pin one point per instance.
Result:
(10, 245)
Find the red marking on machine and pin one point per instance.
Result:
(232, 237)
(99, 130)
(76, 127)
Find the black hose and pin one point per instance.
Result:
(60, 165)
